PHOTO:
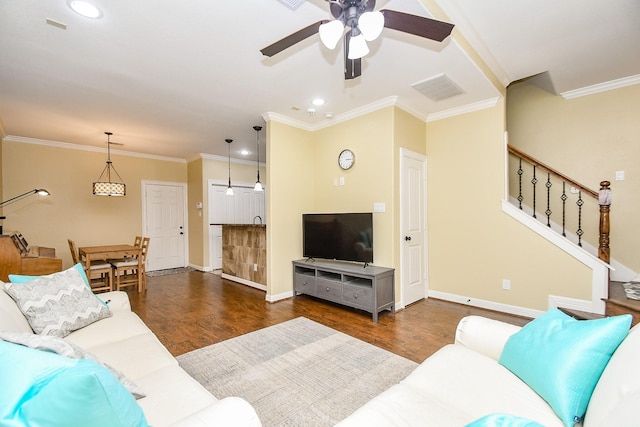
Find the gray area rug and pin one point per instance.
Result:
(297, 373)
(169, 271)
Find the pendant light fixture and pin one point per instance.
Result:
(104, 186)
(229, 189)
(258, 186)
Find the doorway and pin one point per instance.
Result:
(164, 222)
(413, 246)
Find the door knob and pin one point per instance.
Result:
(407, 238)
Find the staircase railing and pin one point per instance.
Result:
(528, 192)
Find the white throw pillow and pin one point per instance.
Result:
(57, 304)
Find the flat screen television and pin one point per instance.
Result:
(338, 236)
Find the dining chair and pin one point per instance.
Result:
(100, 274)
(126, 271)
(137, 243)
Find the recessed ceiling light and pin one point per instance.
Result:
(318, 102)
(85, 9)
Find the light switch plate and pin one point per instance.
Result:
(379, 207)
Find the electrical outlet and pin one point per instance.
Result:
(506, 284)
(255, 267)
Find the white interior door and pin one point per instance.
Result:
(413, 250)
(165, 225)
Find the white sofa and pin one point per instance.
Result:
(125, 343)
(463, 382)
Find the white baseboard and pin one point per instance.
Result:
(201, 268)
(244, 282)
(279, 297)
(571, 303)
(489, 305)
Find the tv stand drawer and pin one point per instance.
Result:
(305, 284)
(329, 289)
(358, 295)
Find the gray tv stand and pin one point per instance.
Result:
(370, 288)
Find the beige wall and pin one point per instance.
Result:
(291, 177)
(588, 139)
(197, 227)
(307, 165)
(370, 180)
(473, 245)
(72, 211)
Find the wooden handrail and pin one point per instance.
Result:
(549, 169)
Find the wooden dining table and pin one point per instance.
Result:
(106, 252)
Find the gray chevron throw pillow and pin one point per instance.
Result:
(57, 304)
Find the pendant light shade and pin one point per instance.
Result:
(104, 186)
(229, 188)
(258, 186)
(371, 25)
(357, 45)
(331, 32)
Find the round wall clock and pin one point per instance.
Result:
(346, 159)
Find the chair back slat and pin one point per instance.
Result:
(74, 251)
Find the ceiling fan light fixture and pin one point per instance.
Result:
(371, 25)
(358, 47)
(331, 33)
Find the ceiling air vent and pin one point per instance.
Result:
(292, 4)
(438, 88)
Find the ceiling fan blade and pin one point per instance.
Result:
(417, 25)
(352, 67)
(292, 39)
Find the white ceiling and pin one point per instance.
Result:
(175, 78)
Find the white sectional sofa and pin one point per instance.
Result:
(125, 343)
(464, 383)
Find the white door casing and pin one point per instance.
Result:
(413, 247)
(164, 207)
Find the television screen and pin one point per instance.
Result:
(339, 236)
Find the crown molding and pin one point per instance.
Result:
(69, 146)
(339, 118)
(601, 87)
(469, 108)
(225, 159)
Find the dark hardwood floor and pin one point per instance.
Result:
(192, 310)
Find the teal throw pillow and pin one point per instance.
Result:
(503, 420)
(56, 391)
(562, 358)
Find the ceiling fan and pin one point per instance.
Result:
(363, 25)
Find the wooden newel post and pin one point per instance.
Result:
(604, 199)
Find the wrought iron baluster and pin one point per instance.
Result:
(534, 181)
(548, 211)
(564, 205)
(520, 172)
(579, 232)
